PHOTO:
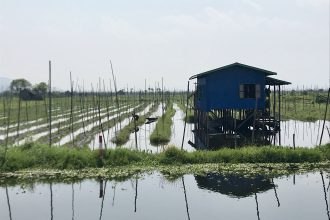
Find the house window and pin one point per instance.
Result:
(249, 91)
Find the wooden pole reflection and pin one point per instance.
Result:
(257, 205)
(185, 198)
(136, 191)
(278, 201)
(325, 196)
(51, 201)
(72, 187)
(8, 203)
(103, 196)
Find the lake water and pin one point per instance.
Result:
(152, 196)
(307, 134)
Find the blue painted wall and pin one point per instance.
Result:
(220, 89)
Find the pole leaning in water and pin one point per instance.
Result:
(325, 116)
(186, 118)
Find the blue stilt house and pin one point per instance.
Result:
(232, 106)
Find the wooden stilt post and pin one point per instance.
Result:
(254, 118)
(279, 115)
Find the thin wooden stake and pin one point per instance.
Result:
(19, 113)
(135, 131)
(71, 109)
(294, 141)
(325, 195)
(50, 102)
(186, 118)
(117, 102)
(325, 116)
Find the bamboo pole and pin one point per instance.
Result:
(325, 116)
(185, 121)
(279, 114)
(116, 91)
(50, 102)
(8, 124)
(254, 117)
(71, 109)
(19, 113)
(274, 111)
(81, 96)
(107, 109)
(294, 141)
(135, 131)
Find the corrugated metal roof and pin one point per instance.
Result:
(271, 81)
(266, 72)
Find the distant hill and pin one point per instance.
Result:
(4, 83)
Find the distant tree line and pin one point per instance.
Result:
(20, 86)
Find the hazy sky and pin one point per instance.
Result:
(174, 39)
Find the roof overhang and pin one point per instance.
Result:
(273, 82)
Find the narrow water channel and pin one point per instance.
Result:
(178, 128)
(143, 135)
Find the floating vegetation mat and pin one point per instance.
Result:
(122, 173)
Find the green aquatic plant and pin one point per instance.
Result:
(35, 155)
(162, 131)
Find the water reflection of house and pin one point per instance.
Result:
(232, 106)
(234, 186)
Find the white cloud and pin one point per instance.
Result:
(1, 23)
(211, 19)
(253, 4)
(119, 28)
(313, 3)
